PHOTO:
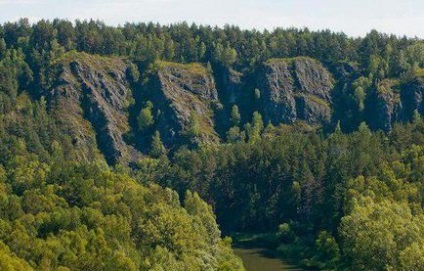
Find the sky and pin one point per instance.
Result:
(354, 17)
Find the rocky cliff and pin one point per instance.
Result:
(184, 98)
(295, 89)
(232, 90)
(395, 101)
(412, 95)
(384, 105)
(90, 102)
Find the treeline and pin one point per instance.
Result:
(377, 54)
(359, 65)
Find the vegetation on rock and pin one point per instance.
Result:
(314, 138)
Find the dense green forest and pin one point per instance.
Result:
(124, 148)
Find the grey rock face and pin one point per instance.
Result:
(396, 101)
(386, 105)
(183, 94)
(91, 102)
(412, 93)
(295, 89)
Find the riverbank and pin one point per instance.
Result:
(259, 259)
(259, 252)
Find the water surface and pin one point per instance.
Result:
(257, 259)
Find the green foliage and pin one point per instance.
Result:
(328, 250)
(132, 73)
(235, 116)
(292, 175)
(157, 149)
(2, 48)
(145, 117)
(415, 55)
(234, 135)
(337, 201)
(379, 224)
(416, 117)
(285, 233)
(230, 45)
(193, 126)
(257, 94)
(360, 97)
(255, 129)
(84, 217)
(225, 55)
(9, 261)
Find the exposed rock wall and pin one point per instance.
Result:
(412, 94)
(183, 94)
(295, 89)
(395, 101)
(91, 96)
(90, 102)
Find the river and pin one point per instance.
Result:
(257, 259)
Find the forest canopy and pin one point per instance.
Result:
(139, 147)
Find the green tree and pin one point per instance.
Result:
(157, 149)
(255, 129)
(145, 118)
(360, 98)
(257, 94)
(133, 74)
(193, 126)
(328, 250)
(235, 134)
(2, 48)
(235, 116)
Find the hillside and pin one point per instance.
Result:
(311, 143)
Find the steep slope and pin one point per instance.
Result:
(295, 89)
(233, 89)
(395, 101)
(412, 95)
(90, 101)
(91, 96)
(387, 105)
(184, 97)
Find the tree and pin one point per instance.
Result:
(235, 116)
(65, 33)
(416, 117)
(157, 149)
(145, 118)
(257, 94)
(328, 250)
(197, 207)
(227, 56)
(2, 48)
(415, 55)
(255, 129)
(234, 135)
(133, 74)
(9, 261)
(360, 98)
(193, 127)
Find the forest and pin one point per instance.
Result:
(145, 146)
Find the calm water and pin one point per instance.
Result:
(256, 259)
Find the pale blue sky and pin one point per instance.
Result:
(354, 17)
